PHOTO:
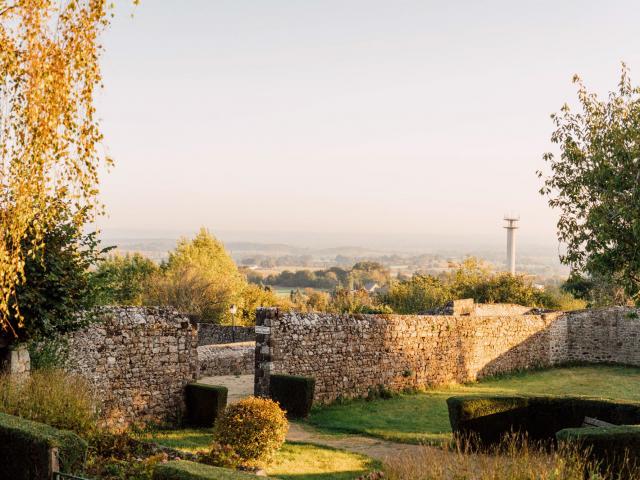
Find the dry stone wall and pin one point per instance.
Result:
(212, 334)
(608, 335)
(138, 360)
(226, 359)
(350, 354)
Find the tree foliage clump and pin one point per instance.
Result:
(124, 278)
(595, 184)
(59, 283)
(49, 134)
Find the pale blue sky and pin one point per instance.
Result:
(346, 119)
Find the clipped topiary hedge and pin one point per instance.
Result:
(255, 428)
(489, 418)
(612, 445)
(184, 470)
(205, 403)
(293, 393)
(25, 449)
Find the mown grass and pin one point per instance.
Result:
(423, 417)
(294, 461)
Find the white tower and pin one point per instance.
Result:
(511, 226)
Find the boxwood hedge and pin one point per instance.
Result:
(488, 418)
(185, 470)
(293, 393)
(204, 403)
(25, 448)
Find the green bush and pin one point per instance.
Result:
(58, 283)
(293, 393)
(614, 446)
(254, 427)
(205, 403)
(54, 397)
(185, 470)
(25, 449)
(489, 419)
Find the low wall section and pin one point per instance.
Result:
(350, 354)
(212, 334)
(138, 360)
(226, 359)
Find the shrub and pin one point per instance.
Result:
(54, 397)
(221, 456)
(293, 393)
(205, 403)
(58, 283)
(254, 427)
(25, 448)
(489, 419)
(618, 447)
(185, 470)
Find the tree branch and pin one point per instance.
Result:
(7, 9)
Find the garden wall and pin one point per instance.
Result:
(227, 359)
(350, 354)
(212, 334)
(138, 360)
(607, 335)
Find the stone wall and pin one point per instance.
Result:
(212, 334)
(227, 359)
(138, 360)
(608, 335)
(350, 354)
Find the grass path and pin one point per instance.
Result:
(375, 448)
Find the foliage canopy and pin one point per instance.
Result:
(49, 136)
(595, 183)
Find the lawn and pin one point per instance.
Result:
(423, 417)
(294, 461)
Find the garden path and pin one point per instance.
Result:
(371, 447)
(241, 386)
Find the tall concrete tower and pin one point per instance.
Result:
(511, 226)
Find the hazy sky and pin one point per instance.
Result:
(348, 120)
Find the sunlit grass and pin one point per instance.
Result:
(424, 418)
(294, 460)
(312, 462)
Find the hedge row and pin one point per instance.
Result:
(185, 470)
(550, 418)
(25, 448)
(612, 445)
(205, 403)
(293, 393)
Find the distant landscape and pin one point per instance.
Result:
(541, 262)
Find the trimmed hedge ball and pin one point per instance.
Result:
(254, 427)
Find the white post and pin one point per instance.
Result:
(511, 227)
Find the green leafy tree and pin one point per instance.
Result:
(595, 184)
(418, 294)
(123, 278)
(59, 284)
(199, 278)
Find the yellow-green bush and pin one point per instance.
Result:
(54, 397)
(254, 427)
